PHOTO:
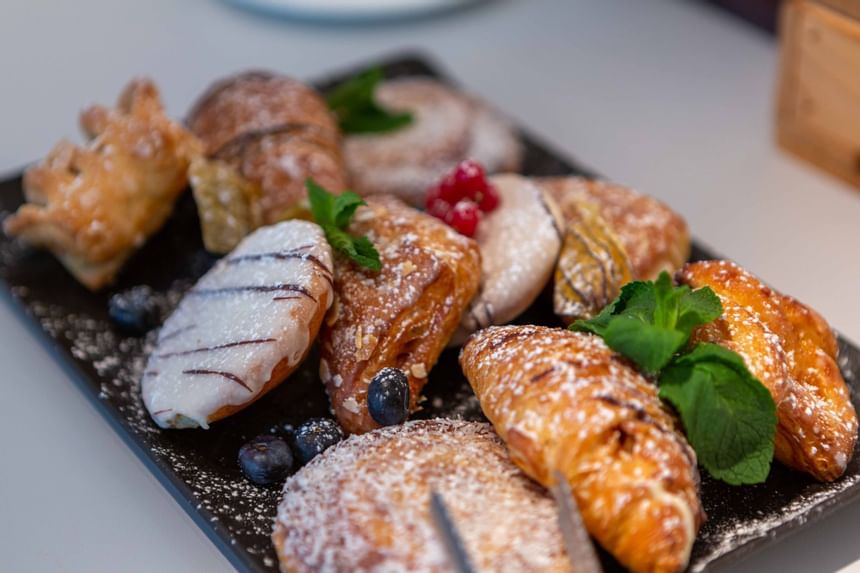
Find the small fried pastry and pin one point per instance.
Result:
(793, 352)
(447, 127)
(563, 401)
(94, 206)
(400, 317)
(363, 505)
(276, 132)
(242, 329)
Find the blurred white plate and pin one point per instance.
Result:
(343, 10)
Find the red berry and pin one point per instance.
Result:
(450, 191)
(470, 178)
(464, 217)
(488, 199)
(439, 208)
(431, 195)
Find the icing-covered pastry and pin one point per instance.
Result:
(519, 243)
(448, 127)
(400, 317)
(563, 401)
(94, 206)
(793, 352)
(244, 327)
(276, 132)
(363, 505)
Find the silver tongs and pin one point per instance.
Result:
(577, 543)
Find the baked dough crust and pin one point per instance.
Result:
(562, 400)
(400, 317)
(791, 349)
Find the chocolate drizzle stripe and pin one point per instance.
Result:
(287, 298)
(228, 375)
(252, 288)
(238, 143)
(166, 410)
(217, 347)
(177, 332)
(286, 255)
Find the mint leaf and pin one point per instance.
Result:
(333, 213)
(698, 307)
(636, 299)
(356, 109)
(650, 347)
(728, 415)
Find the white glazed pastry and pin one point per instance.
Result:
(243, 328)
(448, 127)
(519, 242)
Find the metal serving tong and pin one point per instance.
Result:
(577, 543)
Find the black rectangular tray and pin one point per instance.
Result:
(199, 467)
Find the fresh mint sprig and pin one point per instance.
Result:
(355, 106)
(728, 415)
(333, 213)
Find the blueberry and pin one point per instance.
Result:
(388, 397)
(314, 437)
(266, 460)
(134, 311)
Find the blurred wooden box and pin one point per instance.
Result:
(818, 108)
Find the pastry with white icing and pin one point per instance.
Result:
(244, 327)
(363, 505)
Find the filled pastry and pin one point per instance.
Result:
(93, 206)
(242, 329)
(400, 317)
(563, 401)
(363, 505)
(276, 132)
(447, 127)
(519, 243)
(792, 351)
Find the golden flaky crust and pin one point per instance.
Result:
(363, 505)
(94, 206)
(562, 400)
(654, 237)
(400, 317)
(792, 350)
(276, 132)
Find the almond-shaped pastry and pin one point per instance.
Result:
(242, 329)
(654, 237)
(276, 132)
(448, 127)
(793, 352)
(94, 206)
(400, 317)
(364, 505)
(520, 242)
(564, 401)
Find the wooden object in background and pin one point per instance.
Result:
(818, 108)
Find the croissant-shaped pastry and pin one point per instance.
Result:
(400, 317)
(363, 505)
(276, 132)
(93, 206)
(793, 352)
(563, 401)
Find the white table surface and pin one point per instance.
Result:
(669, 96)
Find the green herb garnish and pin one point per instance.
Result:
(356, 109)
(728, 415)
(333, 213)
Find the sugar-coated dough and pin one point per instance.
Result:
(243, 328)
(363, 505)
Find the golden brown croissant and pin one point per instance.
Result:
(562, 400)
(363, 505)
(94, 206)
(276, 132)
(400, 317)
(792, 350)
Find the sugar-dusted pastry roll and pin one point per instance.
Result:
(792, 351)
(400, 317)
(276, 132)
(363, 505)
(563, 401)
(242, 329)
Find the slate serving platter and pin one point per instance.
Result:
(199, 467)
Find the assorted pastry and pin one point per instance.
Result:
(384, 222)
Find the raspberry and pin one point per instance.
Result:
(464, 217)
